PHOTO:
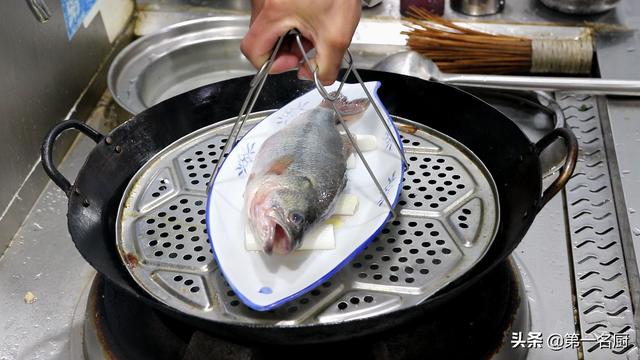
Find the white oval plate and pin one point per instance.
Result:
(264, 282)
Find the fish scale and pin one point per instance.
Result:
(310, 147)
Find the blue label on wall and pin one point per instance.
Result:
(74, 12)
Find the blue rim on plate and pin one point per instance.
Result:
(338, 267)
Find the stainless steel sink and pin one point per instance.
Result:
(185, 6)
(190, 54)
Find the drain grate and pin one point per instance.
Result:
(603, 299)
(448, 218)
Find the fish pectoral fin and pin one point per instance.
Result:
(280, 165)
(347, 147)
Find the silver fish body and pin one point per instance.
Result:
(297, 175)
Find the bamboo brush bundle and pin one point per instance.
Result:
(456, 49)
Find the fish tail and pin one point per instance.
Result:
(350, 110)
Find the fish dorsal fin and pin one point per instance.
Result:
(279, 165)
(349, 109)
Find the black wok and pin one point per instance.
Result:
(510, 157)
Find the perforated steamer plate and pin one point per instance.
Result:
(448, 217)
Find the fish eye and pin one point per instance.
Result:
(296, 218)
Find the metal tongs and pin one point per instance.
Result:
(255, 87)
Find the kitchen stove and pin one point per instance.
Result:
(519, 298)
(477, 324)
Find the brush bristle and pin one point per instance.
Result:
(456, 49)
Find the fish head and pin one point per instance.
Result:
(280, 212)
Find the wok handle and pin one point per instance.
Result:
(46, 152)
(569, 162)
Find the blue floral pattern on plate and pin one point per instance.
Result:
(388, 142)
(387, 188)
(289, 113)
(245, 159)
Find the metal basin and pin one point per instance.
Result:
(180, 58)
(581, 7)
(190, 54)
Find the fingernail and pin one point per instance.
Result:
(303, 77)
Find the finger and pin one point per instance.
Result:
(259, 41)
(329, 54)
(256, 8)
(305, 71)
(284, 62)
(287, 57)
(306, 47)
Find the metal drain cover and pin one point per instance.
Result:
(448, 217)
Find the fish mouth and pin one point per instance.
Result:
(280, 242)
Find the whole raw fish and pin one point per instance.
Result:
(297, 175)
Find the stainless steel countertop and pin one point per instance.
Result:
(42, 260)
(619, 57)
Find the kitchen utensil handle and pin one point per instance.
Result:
(569, 162)
(46, 152)
(332, 99)
(575, 85)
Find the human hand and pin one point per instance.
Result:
(326, 25)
